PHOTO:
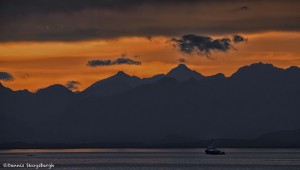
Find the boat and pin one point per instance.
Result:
(211, 150)
(214, 151)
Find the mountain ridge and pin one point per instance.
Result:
(198, 76)
(213, 107)
(182, 73)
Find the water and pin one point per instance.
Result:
(155, 159)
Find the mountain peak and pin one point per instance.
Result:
(261, 64)
(293, 68)
(261, 71)
(55, 88)
(121, 73)
(182, 73)
(182, 66)
(117, 83)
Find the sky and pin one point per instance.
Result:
(79, 42)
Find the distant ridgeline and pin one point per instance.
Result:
(182, 108)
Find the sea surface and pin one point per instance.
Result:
(151, 159)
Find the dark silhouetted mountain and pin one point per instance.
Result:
(122, 82)
(133, 81)
(284, 138)
(118, 83)
(292, 73)
(182, 73)
(153, 79)
(216, 77)
(166, 81)
(178, 141)
(52, 98)
(54, 90)
(256, 100)
(278, 139)
(257, 72)
(6, 94)
(281, 135)
(4, 90)
(25, 92)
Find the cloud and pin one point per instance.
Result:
(72, 85)
(244, 8)
(181, 60)
(24, 76)
(60, 20)
(149, 38)
(118, 61)
(190, 43)
(238, 39)
(241, 8)
(6, 76)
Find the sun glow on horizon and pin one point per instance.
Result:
(39, 64)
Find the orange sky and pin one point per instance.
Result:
(35, 65)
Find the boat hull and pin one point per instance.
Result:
(214, 152)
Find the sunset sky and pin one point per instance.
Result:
(44, 42)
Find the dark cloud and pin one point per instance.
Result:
(118, 61)
(72, 85)
(189, 44)
(149, 38)
(244, 8)
(18, 7)
(181, 60)
(123, 55)
(238, 39)
(94, 63)
(62, 20)
(4, 76)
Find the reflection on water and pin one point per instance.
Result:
(147, 159)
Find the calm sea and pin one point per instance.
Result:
(152, 159)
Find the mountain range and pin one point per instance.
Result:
(257, 99)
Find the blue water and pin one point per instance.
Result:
(155, 159)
